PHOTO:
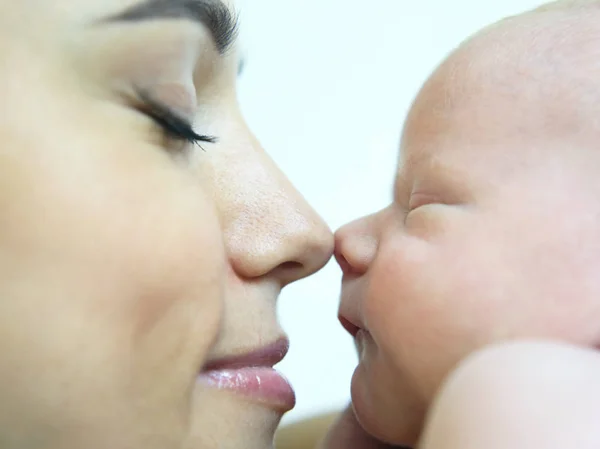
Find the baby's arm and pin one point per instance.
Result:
(519, 396)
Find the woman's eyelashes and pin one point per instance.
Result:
(172, 124)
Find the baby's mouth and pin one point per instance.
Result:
(350, 327)
(358, 333)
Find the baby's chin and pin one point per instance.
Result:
(391, 422)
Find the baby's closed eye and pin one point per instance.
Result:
(432, 214)
(419, 199)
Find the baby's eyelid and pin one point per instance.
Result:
(418, 199)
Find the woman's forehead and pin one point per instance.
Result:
(217, 16)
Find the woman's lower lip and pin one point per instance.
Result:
(262, 384)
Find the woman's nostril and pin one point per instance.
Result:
(289, 272)
(291, 266)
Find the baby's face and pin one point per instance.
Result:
(492, 235)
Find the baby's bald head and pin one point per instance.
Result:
(550, 54)
(528, 83)
(567, 5)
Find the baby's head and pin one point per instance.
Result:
(494, 231)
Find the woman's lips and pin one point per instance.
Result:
(252, 375)
(263, 384)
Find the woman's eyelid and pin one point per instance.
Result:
(180, 97)
(143, 54)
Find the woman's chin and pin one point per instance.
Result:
(226, 420)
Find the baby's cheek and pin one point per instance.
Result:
(400, 286)
(398, 307)
(422, 311)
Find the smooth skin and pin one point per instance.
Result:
(493, 233)
(524, 395)
(129, 258)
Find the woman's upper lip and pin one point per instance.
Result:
(267, 356)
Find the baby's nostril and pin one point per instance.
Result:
(342, 262)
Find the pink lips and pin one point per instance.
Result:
(350, 327)
(253, 376)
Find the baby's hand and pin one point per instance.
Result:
(519, 395)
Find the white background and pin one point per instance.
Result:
(326, 87)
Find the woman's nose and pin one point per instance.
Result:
(356, 245)
(269, 228)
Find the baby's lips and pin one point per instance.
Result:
(350, 327)
(350, 307)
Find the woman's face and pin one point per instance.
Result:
(139, 256)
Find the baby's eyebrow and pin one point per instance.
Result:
(212, 14)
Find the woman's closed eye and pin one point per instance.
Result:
(171, 123)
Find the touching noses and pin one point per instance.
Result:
(356, 246)
(269, 228)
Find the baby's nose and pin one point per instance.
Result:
(356, 245)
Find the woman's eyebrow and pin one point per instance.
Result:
(212, 14)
